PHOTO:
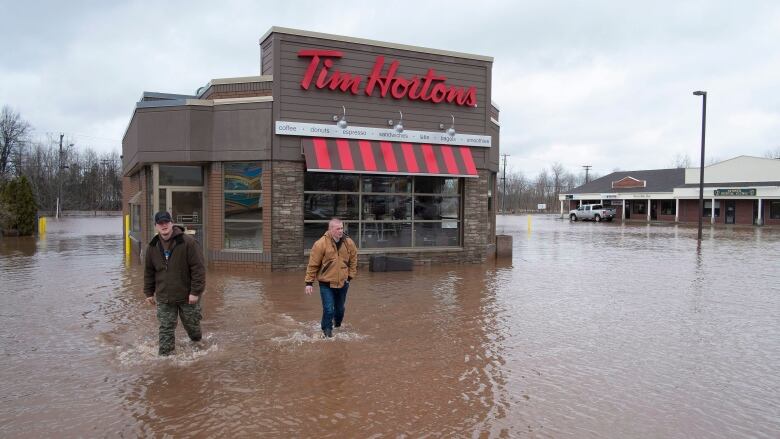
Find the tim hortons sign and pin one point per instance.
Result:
(432, 87)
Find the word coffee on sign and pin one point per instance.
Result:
(432, 87)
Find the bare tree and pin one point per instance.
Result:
(681, 161)
(13, 134)
(773, 153)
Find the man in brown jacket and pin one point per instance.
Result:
(176, 275)
(333, 264)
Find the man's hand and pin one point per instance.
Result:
(309, 289)
(150, 300)
(193, 299)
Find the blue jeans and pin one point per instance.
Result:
(333, 300)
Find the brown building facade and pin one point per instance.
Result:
(400, 142)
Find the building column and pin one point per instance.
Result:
(712, 212)
(760, 219)
(579, 203)
(648, 210)
(677, 210)
(623, 214)
(561, 208)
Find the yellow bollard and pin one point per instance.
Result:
(529, 223)
(127, 235)
(42, 225)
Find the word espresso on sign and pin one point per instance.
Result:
(430, 88)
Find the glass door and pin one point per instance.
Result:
(731, 211)
(186, 208)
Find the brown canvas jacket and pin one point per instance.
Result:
(183, 274)
(329, 265)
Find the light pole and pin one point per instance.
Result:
(703, 94)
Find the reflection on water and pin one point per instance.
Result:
(593, 330)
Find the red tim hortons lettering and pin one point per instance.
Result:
(315, 61)
(430, 88)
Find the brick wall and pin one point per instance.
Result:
(215, 210)
(765, 214)
(744, 211)
(238, 90)
(239, 94)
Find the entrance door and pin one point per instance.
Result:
(628, 209)
(731, 211)
(187, 210)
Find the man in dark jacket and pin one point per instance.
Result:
(176, 275)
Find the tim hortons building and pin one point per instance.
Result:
(400, 142)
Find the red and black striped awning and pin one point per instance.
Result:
(373, 157)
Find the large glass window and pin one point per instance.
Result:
(384, 211)
(774, 209)
(668, 207)
(135, 217)
(181, 175)
(243, 191)
(708, 209)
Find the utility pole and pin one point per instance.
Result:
(503, 191)
(587, 168)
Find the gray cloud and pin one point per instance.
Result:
(604, 83)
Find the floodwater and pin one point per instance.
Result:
(593, 330)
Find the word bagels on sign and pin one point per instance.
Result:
(431, 88)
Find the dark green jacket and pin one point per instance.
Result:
(184, 272)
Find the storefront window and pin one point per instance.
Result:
(323, 182)
(380, 184)
(327, 206)
(243, 206)
(774, 209)
(312, 231)
(384, 211)
(135, 217)
(668, 207)
(181, 175)
(708, 209)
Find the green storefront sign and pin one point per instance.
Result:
(735, 192)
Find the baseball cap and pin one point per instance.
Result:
(162, 216)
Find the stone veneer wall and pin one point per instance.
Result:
(287, 216)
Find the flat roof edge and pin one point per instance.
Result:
(324, 36)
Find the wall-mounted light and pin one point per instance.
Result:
(451, 129)
(400, 126)
(342, 121)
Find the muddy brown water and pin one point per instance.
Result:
(593, 330)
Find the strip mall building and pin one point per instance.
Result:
(743, 190)
(400, 142)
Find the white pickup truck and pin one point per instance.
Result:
(595, 212)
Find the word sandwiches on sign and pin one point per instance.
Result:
(430, 88)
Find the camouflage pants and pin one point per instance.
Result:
(168, 313)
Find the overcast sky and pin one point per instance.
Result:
(603, 83)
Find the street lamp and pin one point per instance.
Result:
(703, 94)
